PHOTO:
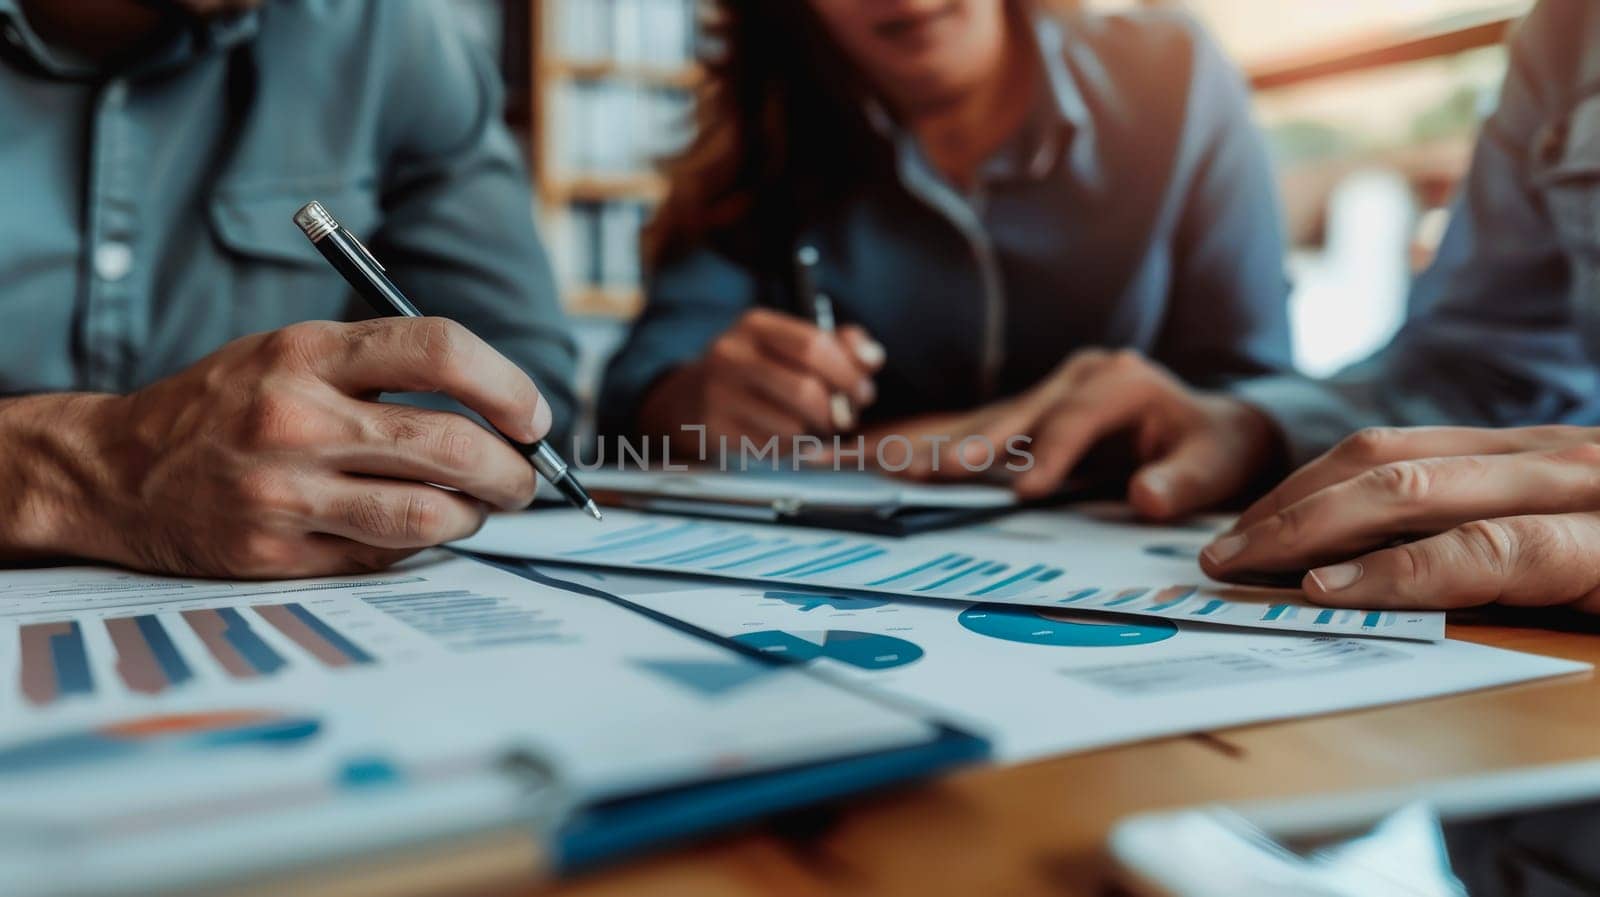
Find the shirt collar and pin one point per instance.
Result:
(217, 34)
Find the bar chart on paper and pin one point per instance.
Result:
(97, 634)
(1092, 569)
(56, 659)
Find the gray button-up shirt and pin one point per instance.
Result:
(1505, 326)
(1137, 209)
(147, 212)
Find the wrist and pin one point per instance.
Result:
(54, 472)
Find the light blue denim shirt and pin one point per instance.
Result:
(1504, 328)
(147, 212)
(1137, 210)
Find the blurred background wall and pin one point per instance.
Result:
(1370, 107)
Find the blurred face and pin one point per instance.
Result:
(921, 53)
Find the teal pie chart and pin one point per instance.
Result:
(1038, 626)
(862, 650)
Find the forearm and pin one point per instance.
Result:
(52, 476)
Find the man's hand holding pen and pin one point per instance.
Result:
(270, 457)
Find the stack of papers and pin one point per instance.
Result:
(159, 729)
(1083, 561)
(1038, 681)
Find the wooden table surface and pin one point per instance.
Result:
(1039, 828)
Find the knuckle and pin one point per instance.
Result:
(439, 342)
(366, 514)
(1489, 543)
(1585, 454)
(395, 424)
(458, 447)
(1407, 482)
(1290, 525)
(1413, 567)
(296, 344)
(423, 518)
(1370, 446)
(722, 350)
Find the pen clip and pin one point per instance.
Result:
(364, 250)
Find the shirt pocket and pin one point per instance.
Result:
(275, 276)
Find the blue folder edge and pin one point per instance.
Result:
(615, 829)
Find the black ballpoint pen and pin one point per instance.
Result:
(351, 258)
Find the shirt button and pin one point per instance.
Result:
(113, 261)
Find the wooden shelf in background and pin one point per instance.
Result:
(683, 77)
(621, 303)
(1389, 48)
(640, 186)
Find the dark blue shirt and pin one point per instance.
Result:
(1137, 210)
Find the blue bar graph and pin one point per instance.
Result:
(1325, 618)
(1082, 595)
(638, 541)
(954, 577)
(758, 558)
(789, 571)
(1016, 577)
(1375, 618)
(868, 555)
(1274, 612)
(1213, 606)
(929, 565)
(700, 552)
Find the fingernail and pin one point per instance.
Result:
(1225, 549)
(871, 353)
(1339, 576)
(843, 417)
(542, 419)
(1156, 484)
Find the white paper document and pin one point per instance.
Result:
(1084, 560)
(1040, 681)
(157, 722)
(791, 491)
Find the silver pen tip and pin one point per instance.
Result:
(594, 510)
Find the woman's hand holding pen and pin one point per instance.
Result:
(770, 374)
(270, 457)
